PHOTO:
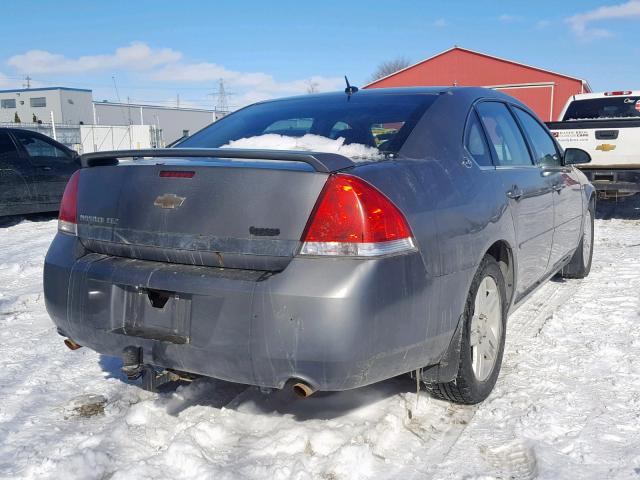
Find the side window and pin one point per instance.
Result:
(39, 147)
(504, 134)
(292, 127)
(475, 142)
(7, 148)
(543, 145)
(339, 129)
(384, 133)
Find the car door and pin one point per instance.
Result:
(53, 164)
(567, 197)
(529, 194)
(16, 174)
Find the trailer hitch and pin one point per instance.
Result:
(134, 368)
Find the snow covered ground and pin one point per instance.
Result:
(566, 406)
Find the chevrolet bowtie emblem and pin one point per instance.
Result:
(169, 200)
(606, 147)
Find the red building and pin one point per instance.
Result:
(543, 91)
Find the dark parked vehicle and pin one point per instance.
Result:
(34, 170)
(315, 270)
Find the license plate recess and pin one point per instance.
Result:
(156, 315)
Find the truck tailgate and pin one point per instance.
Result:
(611, 143)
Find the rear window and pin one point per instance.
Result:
(603, 108)
(381, 123)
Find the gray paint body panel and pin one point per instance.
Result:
(337, 323)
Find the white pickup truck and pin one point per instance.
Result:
(607, 125)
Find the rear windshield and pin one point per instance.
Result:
(357, 126)
(603, 108)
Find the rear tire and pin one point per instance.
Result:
(482, 342)
(580, 264)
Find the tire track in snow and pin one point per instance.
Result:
(524, 324)
(530, 318)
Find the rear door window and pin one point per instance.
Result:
(475, 142)
(40, 148)
(544, 148)
(505, 137)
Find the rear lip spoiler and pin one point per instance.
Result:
(320, 161)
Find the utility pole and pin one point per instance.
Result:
(129, 109)
(222, 105)
(27, 81)
(220, 100)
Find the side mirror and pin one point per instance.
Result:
(576, 156)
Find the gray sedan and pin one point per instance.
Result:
(323, 242)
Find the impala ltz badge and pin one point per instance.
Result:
(169, 200)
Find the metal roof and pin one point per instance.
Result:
(484, 55)
(15, 90)
(145, 105)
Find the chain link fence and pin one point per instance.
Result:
(95, 138)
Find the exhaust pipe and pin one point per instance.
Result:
(303, 390)
(71, 345)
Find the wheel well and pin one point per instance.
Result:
(501, 251)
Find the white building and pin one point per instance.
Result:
(174, 122)
(75, 106)
(69, 105)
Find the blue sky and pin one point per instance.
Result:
(157, 50)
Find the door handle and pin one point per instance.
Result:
(558, 187)
(515, 193)
(45, 168)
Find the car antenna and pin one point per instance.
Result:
(351, 89)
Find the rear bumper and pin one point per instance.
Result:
(614, 179)
(337, 324)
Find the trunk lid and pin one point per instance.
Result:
(223, 213)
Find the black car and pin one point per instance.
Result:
(34, 170)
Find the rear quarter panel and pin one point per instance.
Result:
(455, 208)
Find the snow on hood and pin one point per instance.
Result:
(308, 142)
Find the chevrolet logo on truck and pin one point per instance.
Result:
(606, 147)
(169, 200)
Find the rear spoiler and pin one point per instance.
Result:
(321, 162)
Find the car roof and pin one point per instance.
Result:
(470, 92)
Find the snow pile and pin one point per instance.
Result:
(308, 142)
(566, 404)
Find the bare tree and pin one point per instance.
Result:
(389, 67)
(312, 87)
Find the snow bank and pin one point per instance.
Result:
(311, 143)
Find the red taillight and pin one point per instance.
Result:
(352, 217)
(67, 218)
(618, 92)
